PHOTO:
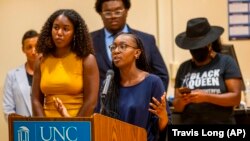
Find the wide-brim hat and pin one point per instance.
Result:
(199, 33)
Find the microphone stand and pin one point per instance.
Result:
(103, 109)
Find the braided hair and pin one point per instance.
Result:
(112, 100)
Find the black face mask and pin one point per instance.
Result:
(200, 54)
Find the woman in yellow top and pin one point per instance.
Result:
(68, 68)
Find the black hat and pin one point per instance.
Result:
(199, 33)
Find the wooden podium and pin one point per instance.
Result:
(94, 128)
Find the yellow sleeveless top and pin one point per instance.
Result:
(62, 78)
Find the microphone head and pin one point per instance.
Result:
(110, 72)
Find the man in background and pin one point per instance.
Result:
(114, 15)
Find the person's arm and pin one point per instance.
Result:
(230, 98)
(181, 99)
(37, 96)
(232, 79)
(91, 86)
(8, 98)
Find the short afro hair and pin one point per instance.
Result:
(98, 4)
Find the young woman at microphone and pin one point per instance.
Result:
(135, 95)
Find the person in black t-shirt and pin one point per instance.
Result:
(214, 78)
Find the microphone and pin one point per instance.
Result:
(107, 82)
(109, 77)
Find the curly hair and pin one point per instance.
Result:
(29, 34)
(111, 101)
(81, 44)
(98, 4)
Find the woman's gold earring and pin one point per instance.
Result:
(212, 54)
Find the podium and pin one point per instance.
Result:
(95, 128)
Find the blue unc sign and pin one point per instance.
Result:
(52, 130)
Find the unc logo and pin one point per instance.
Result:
(23, 133)
(52, 133)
